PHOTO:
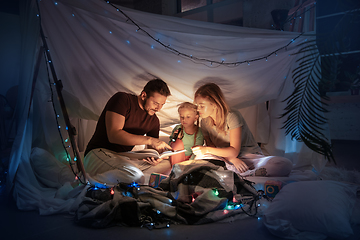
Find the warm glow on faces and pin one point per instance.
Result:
(188, 117)
(205, 107)
(153, 103)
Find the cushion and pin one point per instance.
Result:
(48, 170)
(312, 210)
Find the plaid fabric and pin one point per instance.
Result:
(196, 192)
(206, 192)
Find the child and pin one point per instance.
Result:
(187, 134)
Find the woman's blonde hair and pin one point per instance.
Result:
(213, 93)
(189, 105)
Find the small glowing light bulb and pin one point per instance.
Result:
(216, 192)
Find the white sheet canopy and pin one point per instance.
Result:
(97, 51)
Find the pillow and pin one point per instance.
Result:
(312, 210)
(48, 170)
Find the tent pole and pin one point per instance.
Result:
(70, 129)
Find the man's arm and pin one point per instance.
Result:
(115, 122)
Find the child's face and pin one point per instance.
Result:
(187, 117)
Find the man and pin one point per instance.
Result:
(127, 120)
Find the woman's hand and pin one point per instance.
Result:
(199, 150)
(239, 165)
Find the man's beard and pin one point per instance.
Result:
(144, 107)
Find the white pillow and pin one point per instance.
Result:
(48, 170)
(312, 210)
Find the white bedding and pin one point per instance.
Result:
(312, 210)
(295, 176)
(303, 200)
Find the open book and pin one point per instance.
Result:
(210, 156)
(142, 154)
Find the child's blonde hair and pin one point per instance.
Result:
(189, 105)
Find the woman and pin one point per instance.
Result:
(227, 136)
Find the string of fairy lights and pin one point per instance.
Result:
(294, 15)
(64, 142)
(208, 62)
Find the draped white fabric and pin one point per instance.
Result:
(97, 51)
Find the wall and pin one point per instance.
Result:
(344, 117)
(10, 42)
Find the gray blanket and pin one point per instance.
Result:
(195, 193)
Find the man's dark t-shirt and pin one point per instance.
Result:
(137, 121)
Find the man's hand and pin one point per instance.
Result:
(153, 161)
(159, 145)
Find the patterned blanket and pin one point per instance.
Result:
(196, 192)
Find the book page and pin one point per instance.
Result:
(145, 153)
(141, 154)
(170, 153)
(210, 156)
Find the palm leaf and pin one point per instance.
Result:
(304, 110)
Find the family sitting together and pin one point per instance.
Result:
(128, 120)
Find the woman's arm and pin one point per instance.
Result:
(229, 153)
